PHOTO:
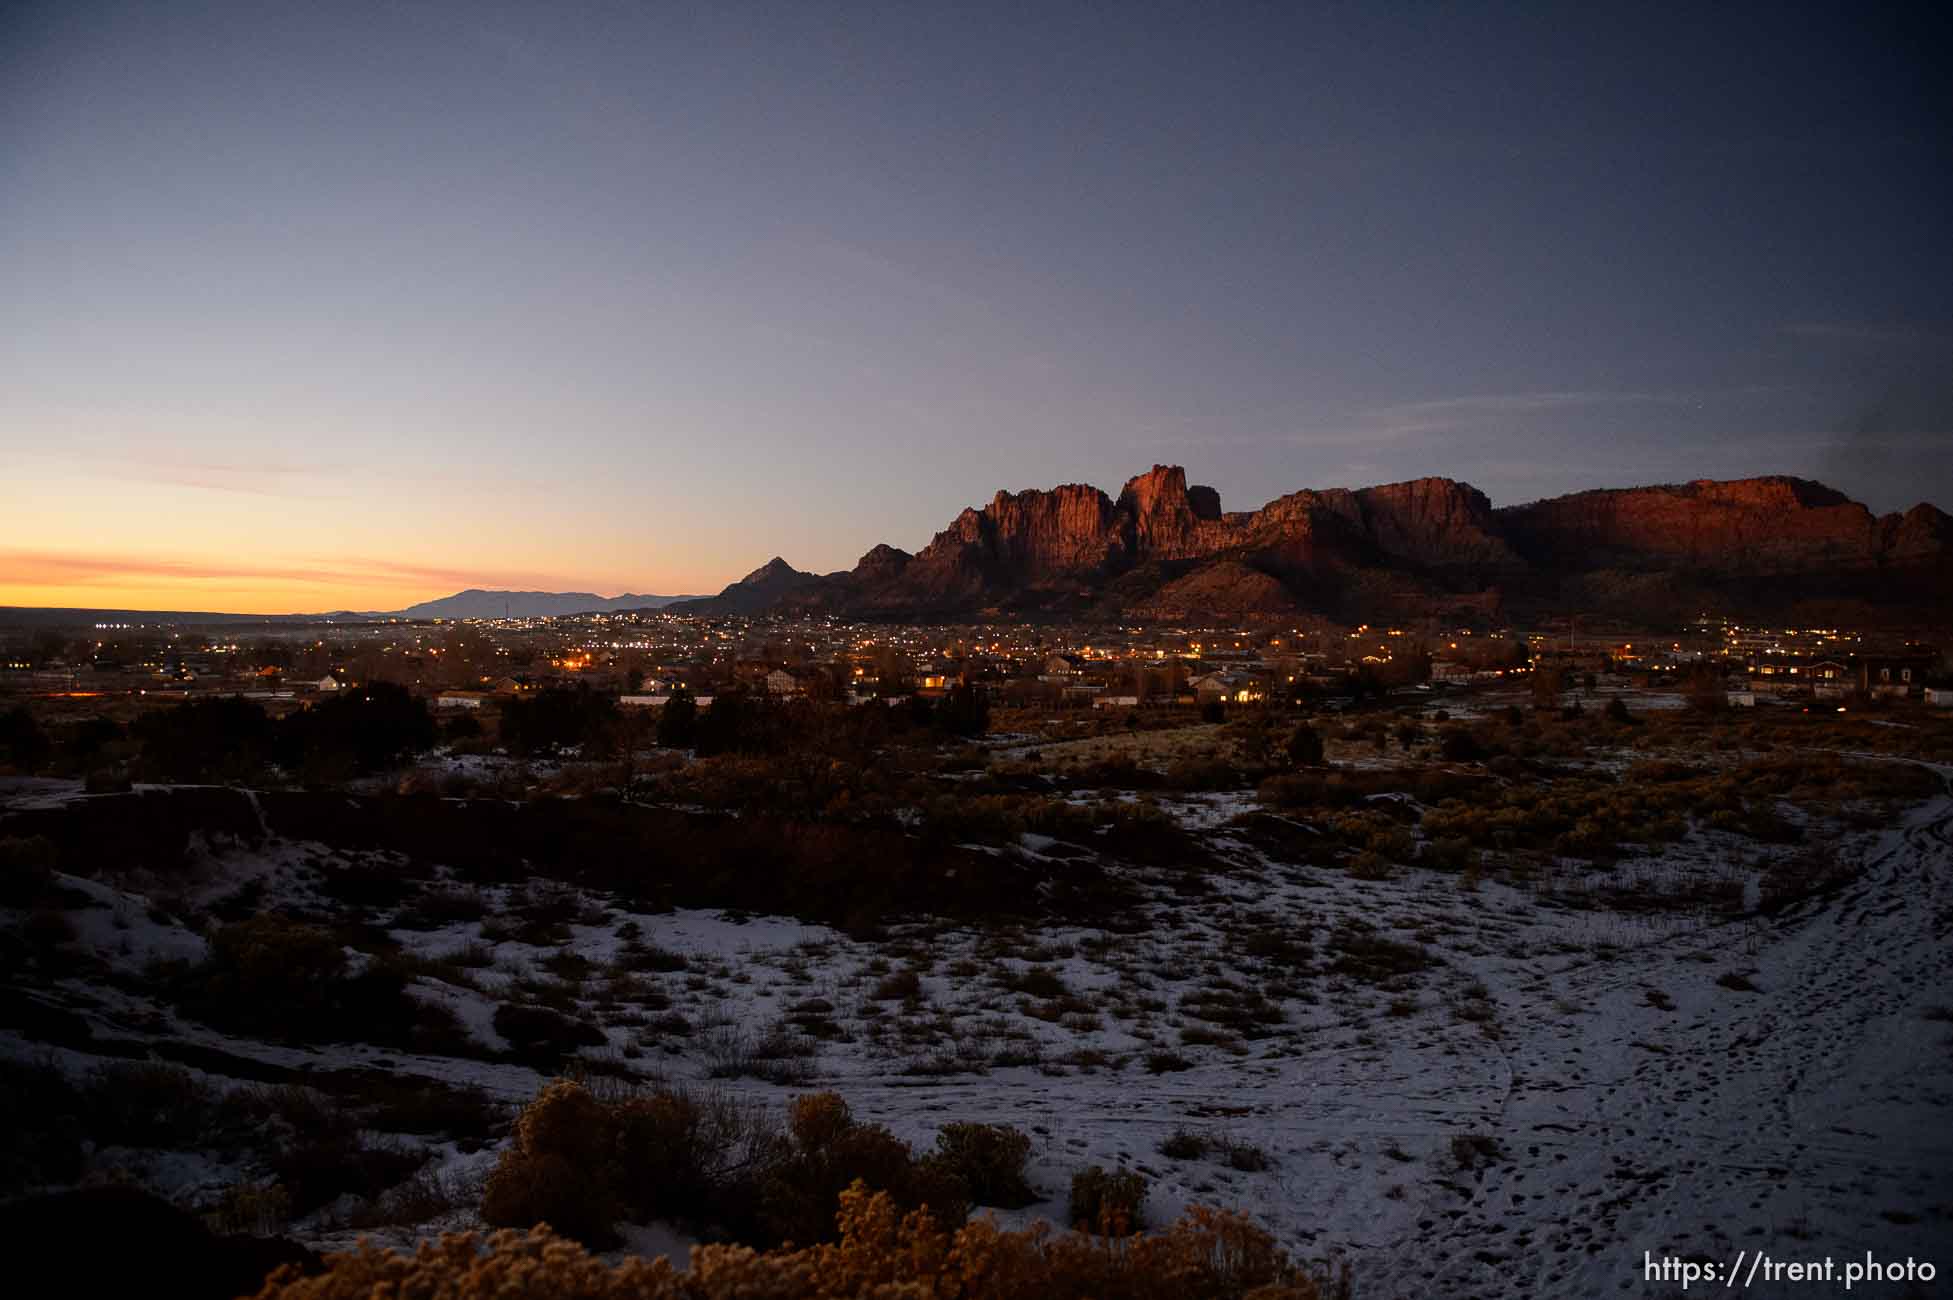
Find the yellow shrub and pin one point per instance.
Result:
(552, 1170)
(882, 1254)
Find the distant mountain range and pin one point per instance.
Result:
(472, 603)
(477, 603)
(1165, 551)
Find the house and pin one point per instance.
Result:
(1209, 686)
(327, 684)
(1057, 668)
(782, 682)
(1940, 697)
(1893, 675)
(1449, 670)
(1116, 702)
(1234, 688)
(1742, 699)
(458, 700)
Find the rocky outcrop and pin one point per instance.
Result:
(881, 564)
(1745, 527)
(762, 589)
(1920, 535)
(1437, 523)
(1028, 536)
(1164, 549)
(1224, 588)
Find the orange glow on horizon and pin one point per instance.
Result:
(88, 581)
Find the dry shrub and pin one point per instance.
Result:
(1107, 1202)
(26, 869)
(989, 1158)
(552, 1171)
(682, 1156)
(140, 1104)
(1205, 1256)
(829, 1151)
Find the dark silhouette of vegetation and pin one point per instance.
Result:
(23, 745)
(278, 979)
(367, 729)
(965, 711)
(678, 721)
(560, 719)
(734, 723)
(205, 740)
(541, 1038)
(1305, 747)
(227, 739)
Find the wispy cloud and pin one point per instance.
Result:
(1519, 403)
(1861, 332)
(1403, 420)
(306, 482)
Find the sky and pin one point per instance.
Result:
(310, 307)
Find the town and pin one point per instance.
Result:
(642, 659)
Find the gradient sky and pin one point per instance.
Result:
(313, 306)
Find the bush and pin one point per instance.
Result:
(274, 978)
(1107, 1203)
(965, 711)
(144, 1105)
(989, 1158)
(1472, 1150)
(553, 1169)
(23, 744)
(897, 986)
(26, 869)
(49, 1149)
(559, 719)
(268, 976)
(1184, 1144)
(1204, 1256)
(541, 1038)
(828, 1151)
(205, 740)
(1305, 747)
(364, 730)
(678, 722)
(687, 1157)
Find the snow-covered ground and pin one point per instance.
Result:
(1555, 1093)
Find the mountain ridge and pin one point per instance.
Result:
(479, 602)
(1164, 548)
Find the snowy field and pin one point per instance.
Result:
(1460, 1087)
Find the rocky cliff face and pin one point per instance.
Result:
(1030, 536)
(1438, 523)
(1166, 549)
(1746, 527)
